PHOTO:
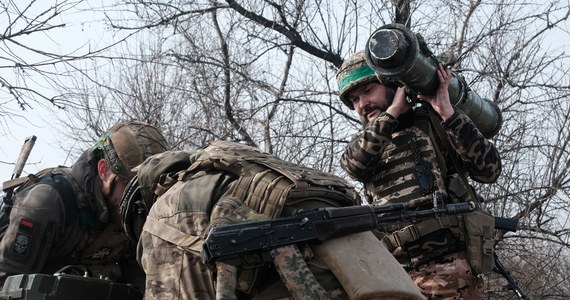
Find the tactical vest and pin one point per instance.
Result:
(396, 182)
(264, 183)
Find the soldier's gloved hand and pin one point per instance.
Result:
(231, 210)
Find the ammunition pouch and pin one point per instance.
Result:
(456, 189)
(478, 231)
(479, 227)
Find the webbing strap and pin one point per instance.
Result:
(184, 241)
(454, 159)
(416, 231)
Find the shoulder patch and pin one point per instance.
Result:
(23, 238)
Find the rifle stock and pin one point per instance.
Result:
(237, 242)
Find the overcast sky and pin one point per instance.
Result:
(82, 31)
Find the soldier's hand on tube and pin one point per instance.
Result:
(440, 102)
(399, 105)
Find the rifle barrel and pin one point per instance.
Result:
(24, 154)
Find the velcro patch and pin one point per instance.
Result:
(23, 238)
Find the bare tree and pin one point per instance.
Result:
(262, 72)
(36, 66)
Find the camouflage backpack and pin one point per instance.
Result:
(261, 177)
(264, 177)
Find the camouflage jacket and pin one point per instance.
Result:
(382, 156)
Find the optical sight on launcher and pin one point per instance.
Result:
(393, 51)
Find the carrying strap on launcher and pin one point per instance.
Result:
(458, 166)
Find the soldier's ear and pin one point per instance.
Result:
(103, 170)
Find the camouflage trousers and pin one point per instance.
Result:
(448, 277)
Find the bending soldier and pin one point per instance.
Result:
(187, 192)
(399, 157)
(70, 216)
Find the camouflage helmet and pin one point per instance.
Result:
(128, 144)
(355, 71)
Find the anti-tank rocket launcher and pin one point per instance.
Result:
(394, 51)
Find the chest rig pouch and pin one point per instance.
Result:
(422, 169)
(410, 170)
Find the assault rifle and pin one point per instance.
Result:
(8, 187)
(251, 242)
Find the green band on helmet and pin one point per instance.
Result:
(356, 74)
(105, 144)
